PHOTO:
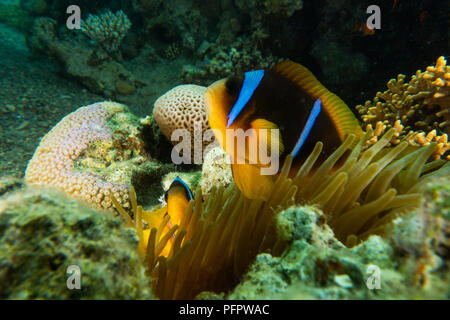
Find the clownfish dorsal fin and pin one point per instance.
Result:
(344, 119)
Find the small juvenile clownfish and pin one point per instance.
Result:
(177, 198)
(287, 98)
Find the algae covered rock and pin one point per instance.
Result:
(315, 265)
(43, 233)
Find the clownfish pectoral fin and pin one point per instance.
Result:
(153, 218)
(308, 126)
(271, 147)
(251, 182)
(251, 82)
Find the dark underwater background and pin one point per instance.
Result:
(191, 41)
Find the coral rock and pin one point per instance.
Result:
(58, 160)
(43, 233)
(216, 170)
(183, 108)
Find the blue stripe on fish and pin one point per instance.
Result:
(251, 82)
(308, 126)
(185, 186)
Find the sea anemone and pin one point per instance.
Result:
(371, 188)
(220, 237)
(214, 243)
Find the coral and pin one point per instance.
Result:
(307, 223)
(145, 6)
(9, 183)
(318, 270)
(94, 69)
(423, 235)
(282, 8)
(226, 60)
(13, 15)
(90, 153)
(156, 142)
(107, 29)
(182, 22)
(42, 233)
(418, 109)
(216, 170)
(34, 7)
(172, 51)
(183, 108)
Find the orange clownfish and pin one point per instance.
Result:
(293, 107)
(177, 198)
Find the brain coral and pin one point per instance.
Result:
(182, 108)
(53, 162)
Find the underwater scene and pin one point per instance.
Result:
(224, 150)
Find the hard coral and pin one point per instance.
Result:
(57, 157)
(418, 109)
(183, 108)
(216, 170)
(227, 60)
(258, 8)
(107, 29)
(91, 67)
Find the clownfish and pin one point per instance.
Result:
(177, 198)
(287, 98)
